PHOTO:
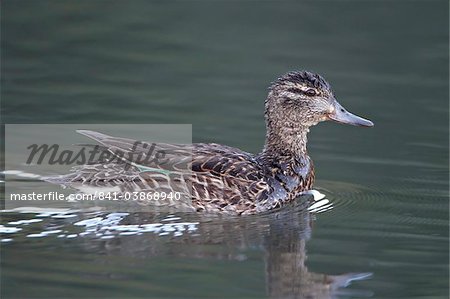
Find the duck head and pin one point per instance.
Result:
(307, 99)
(297, 101)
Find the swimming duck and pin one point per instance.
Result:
(219, 178)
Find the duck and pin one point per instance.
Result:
(214, 178)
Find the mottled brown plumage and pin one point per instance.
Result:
(218, 178)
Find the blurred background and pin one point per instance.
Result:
(209, 64)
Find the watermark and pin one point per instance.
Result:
(140, 153)
(98, 195)
(56, 165)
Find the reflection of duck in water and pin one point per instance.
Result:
(286, 273)
(222, 179)
(281, 235)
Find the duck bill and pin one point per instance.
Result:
(342, 116)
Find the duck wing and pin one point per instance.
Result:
(143, 154)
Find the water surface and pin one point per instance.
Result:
(209, 64)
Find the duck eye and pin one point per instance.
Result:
(310, 92)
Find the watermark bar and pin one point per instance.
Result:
(48, 165)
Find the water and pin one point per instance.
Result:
(209, 64)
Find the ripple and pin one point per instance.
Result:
(320, 206)
(24, 222)
(9, 230)
(22, 174)
(99, 225)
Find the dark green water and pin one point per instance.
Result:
(209, 64)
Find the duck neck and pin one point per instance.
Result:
(288, 141)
